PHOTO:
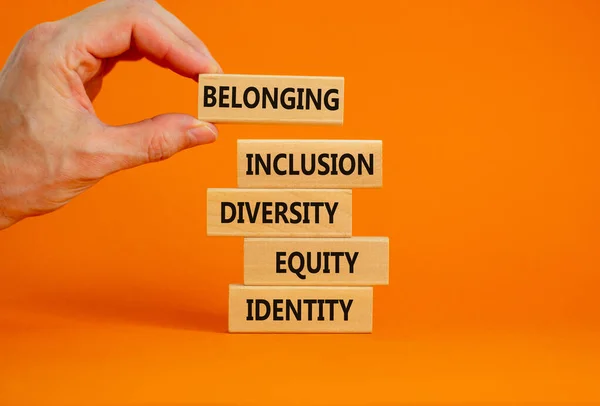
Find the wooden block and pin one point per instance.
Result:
(354, 261)
(228, 98)
(296, 309)
(342, 164)
(279, 212)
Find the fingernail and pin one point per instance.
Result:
(205, 58)
(216, 67)
(204, 133)
(213, 65)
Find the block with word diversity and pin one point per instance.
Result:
(299, 309)
(279, 212)
(309, 163)
(231, 98)
(351, 261)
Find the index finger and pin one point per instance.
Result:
(179, 28)
(109, 29)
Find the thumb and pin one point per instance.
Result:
(157, 138)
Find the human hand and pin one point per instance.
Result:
(52, 145)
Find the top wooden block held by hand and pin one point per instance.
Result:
(228, 98)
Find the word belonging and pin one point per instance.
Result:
(288, 98)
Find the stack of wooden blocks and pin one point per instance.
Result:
(304, 271)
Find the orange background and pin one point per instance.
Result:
(489, 114)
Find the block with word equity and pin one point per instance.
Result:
(270, 99)
(309, 163)
(279, 212)
(316, 261)
(315, 309)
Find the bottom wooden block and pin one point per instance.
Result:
(300, 309)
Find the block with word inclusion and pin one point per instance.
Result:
(334, 164)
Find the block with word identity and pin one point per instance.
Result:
(299, 309)
(362, 261)
(309, 163)
(280, 99)
(279, 212)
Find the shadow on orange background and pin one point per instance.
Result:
(489, 114)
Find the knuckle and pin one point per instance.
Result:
(40, 33)
(160, 147)
(35, 41)
(88, 157)
(139, 11)
(139, 4)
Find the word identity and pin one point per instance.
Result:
(298, 309)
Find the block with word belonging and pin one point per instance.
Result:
(239, 98)
(355, 261)
(279, 212)
(342, 164)
(295, 309)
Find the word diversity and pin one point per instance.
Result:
(304, 271)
